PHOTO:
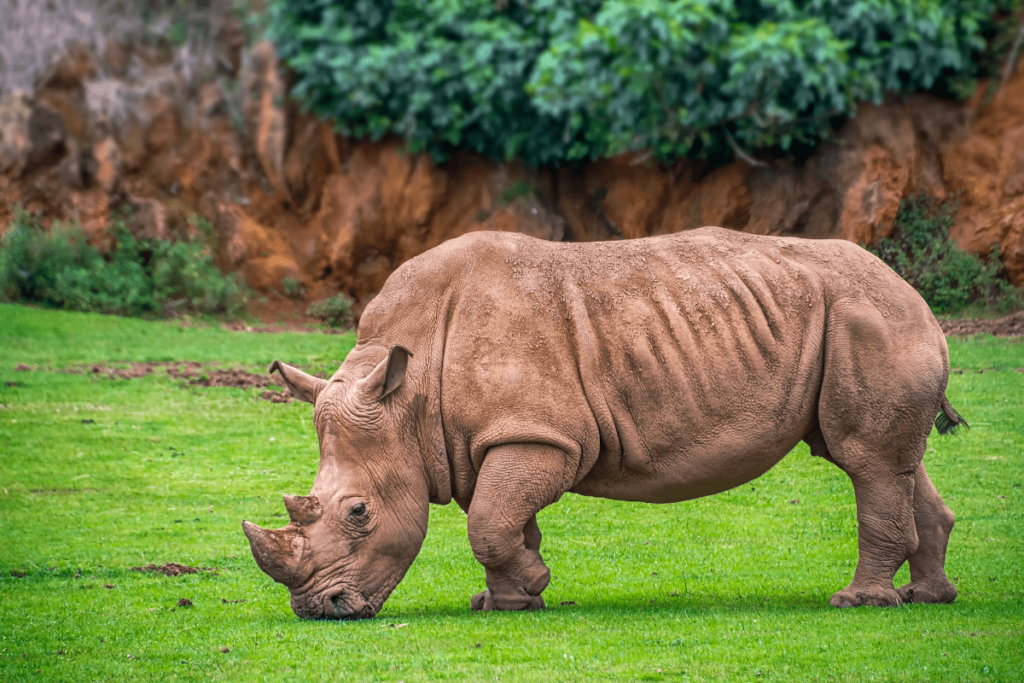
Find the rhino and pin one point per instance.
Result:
(502, 371)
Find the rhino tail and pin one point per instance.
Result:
(949, 420)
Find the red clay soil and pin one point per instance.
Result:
(1010, 326)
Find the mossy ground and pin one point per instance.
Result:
(99, 475)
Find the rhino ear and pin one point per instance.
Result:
(387, 376)
(304, 387)
(303, 510)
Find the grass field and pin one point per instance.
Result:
(99, 475)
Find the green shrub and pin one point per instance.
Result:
(520, 188)
(335, 311)
(292, 288)
(554, 81)
(58, 267)
(948, 278)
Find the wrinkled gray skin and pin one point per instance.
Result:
(502, 371)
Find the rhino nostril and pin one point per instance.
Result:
(343, 606)
(349, 606)
(340, 607)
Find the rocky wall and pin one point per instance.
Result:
(288, 198)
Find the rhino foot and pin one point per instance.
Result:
(937, 592)
(873, 596)
(486, 602)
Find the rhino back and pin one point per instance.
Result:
(666, 368)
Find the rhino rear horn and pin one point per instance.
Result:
(278, 552)
(303, 510)
(304, 387)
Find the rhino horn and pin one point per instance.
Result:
(304, 387)
(303, 510)
(278, 552)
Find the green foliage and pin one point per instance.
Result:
(335, 311)
(555, 81)
(520, 188)
(60, 268)
(292, 288)
(948, 278)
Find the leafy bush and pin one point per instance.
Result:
(520, 188)
(948, 278)
(292, 288)
(335, 311)
(58, 267)
(553, 81)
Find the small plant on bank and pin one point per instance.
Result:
(292, 288)
(335, 311)
(948, 278)
(60, 268)
(519, 188)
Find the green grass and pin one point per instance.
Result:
(733, 587)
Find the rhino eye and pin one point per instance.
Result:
(358, 510)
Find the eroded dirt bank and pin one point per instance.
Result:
(290, 199)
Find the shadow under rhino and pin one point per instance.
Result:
(501, 371)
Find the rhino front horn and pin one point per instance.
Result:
(278, 552)
(303, 510)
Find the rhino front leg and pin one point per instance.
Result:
(515, 482)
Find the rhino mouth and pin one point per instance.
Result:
(348, 605)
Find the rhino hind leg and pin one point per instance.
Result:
(934, 522)
(881, 387)
(515, 482)
(886, 538)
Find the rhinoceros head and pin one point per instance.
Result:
(352, 539)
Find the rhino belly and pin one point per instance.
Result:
(695, 467)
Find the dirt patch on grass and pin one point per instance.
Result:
(194, 373)
(134, 371)
(172, 569)
(284, 396)
(279, 328)
(1009, 326)
(238, 379)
